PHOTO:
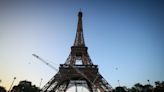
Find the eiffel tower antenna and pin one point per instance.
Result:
(72, 73)
(79, 40)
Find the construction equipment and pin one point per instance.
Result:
(48, 64)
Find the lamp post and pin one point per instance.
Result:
(0, 81)
(12, 83)
(40, 82)
(118, 82)
(148, 81)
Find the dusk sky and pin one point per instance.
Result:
(125, 38)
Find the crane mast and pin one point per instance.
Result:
(45, 62)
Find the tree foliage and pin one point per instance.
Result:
(25, 86)
(159, 86)
(2, 89)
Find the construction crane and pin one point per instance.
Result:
(48, 65)
(57, 69)
(45, 62)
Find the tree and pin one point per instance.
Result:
(25, 86)
(120, 89)
(157, 83)
(133, 89)
(139, 87)
(2, 89)
(159, 86)
(147, 88)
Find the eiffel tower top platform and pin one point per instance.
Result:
(78, 69)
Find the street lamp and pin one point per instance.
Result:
(148, 81)
(40, 82)
(12, 83)
(118, 82)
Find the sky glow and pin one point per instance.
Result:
(124, 38)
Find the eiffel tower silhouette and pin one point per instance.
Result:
(78, 70)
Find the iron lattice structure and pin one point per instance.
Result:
(78, 69)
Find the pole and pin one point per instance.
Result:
(118, 82)
(148, 81)
(40, 82)
(12, 83)
(0, 81)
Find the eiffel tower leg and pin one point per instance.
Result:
(66, 87)
(103, 85)
(51, 83)
(98, 86)
(62, 87)
(89, 87)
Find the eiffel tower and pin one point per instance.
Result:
(78, 70)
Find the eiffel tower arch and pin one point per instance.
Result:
(78, 70)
